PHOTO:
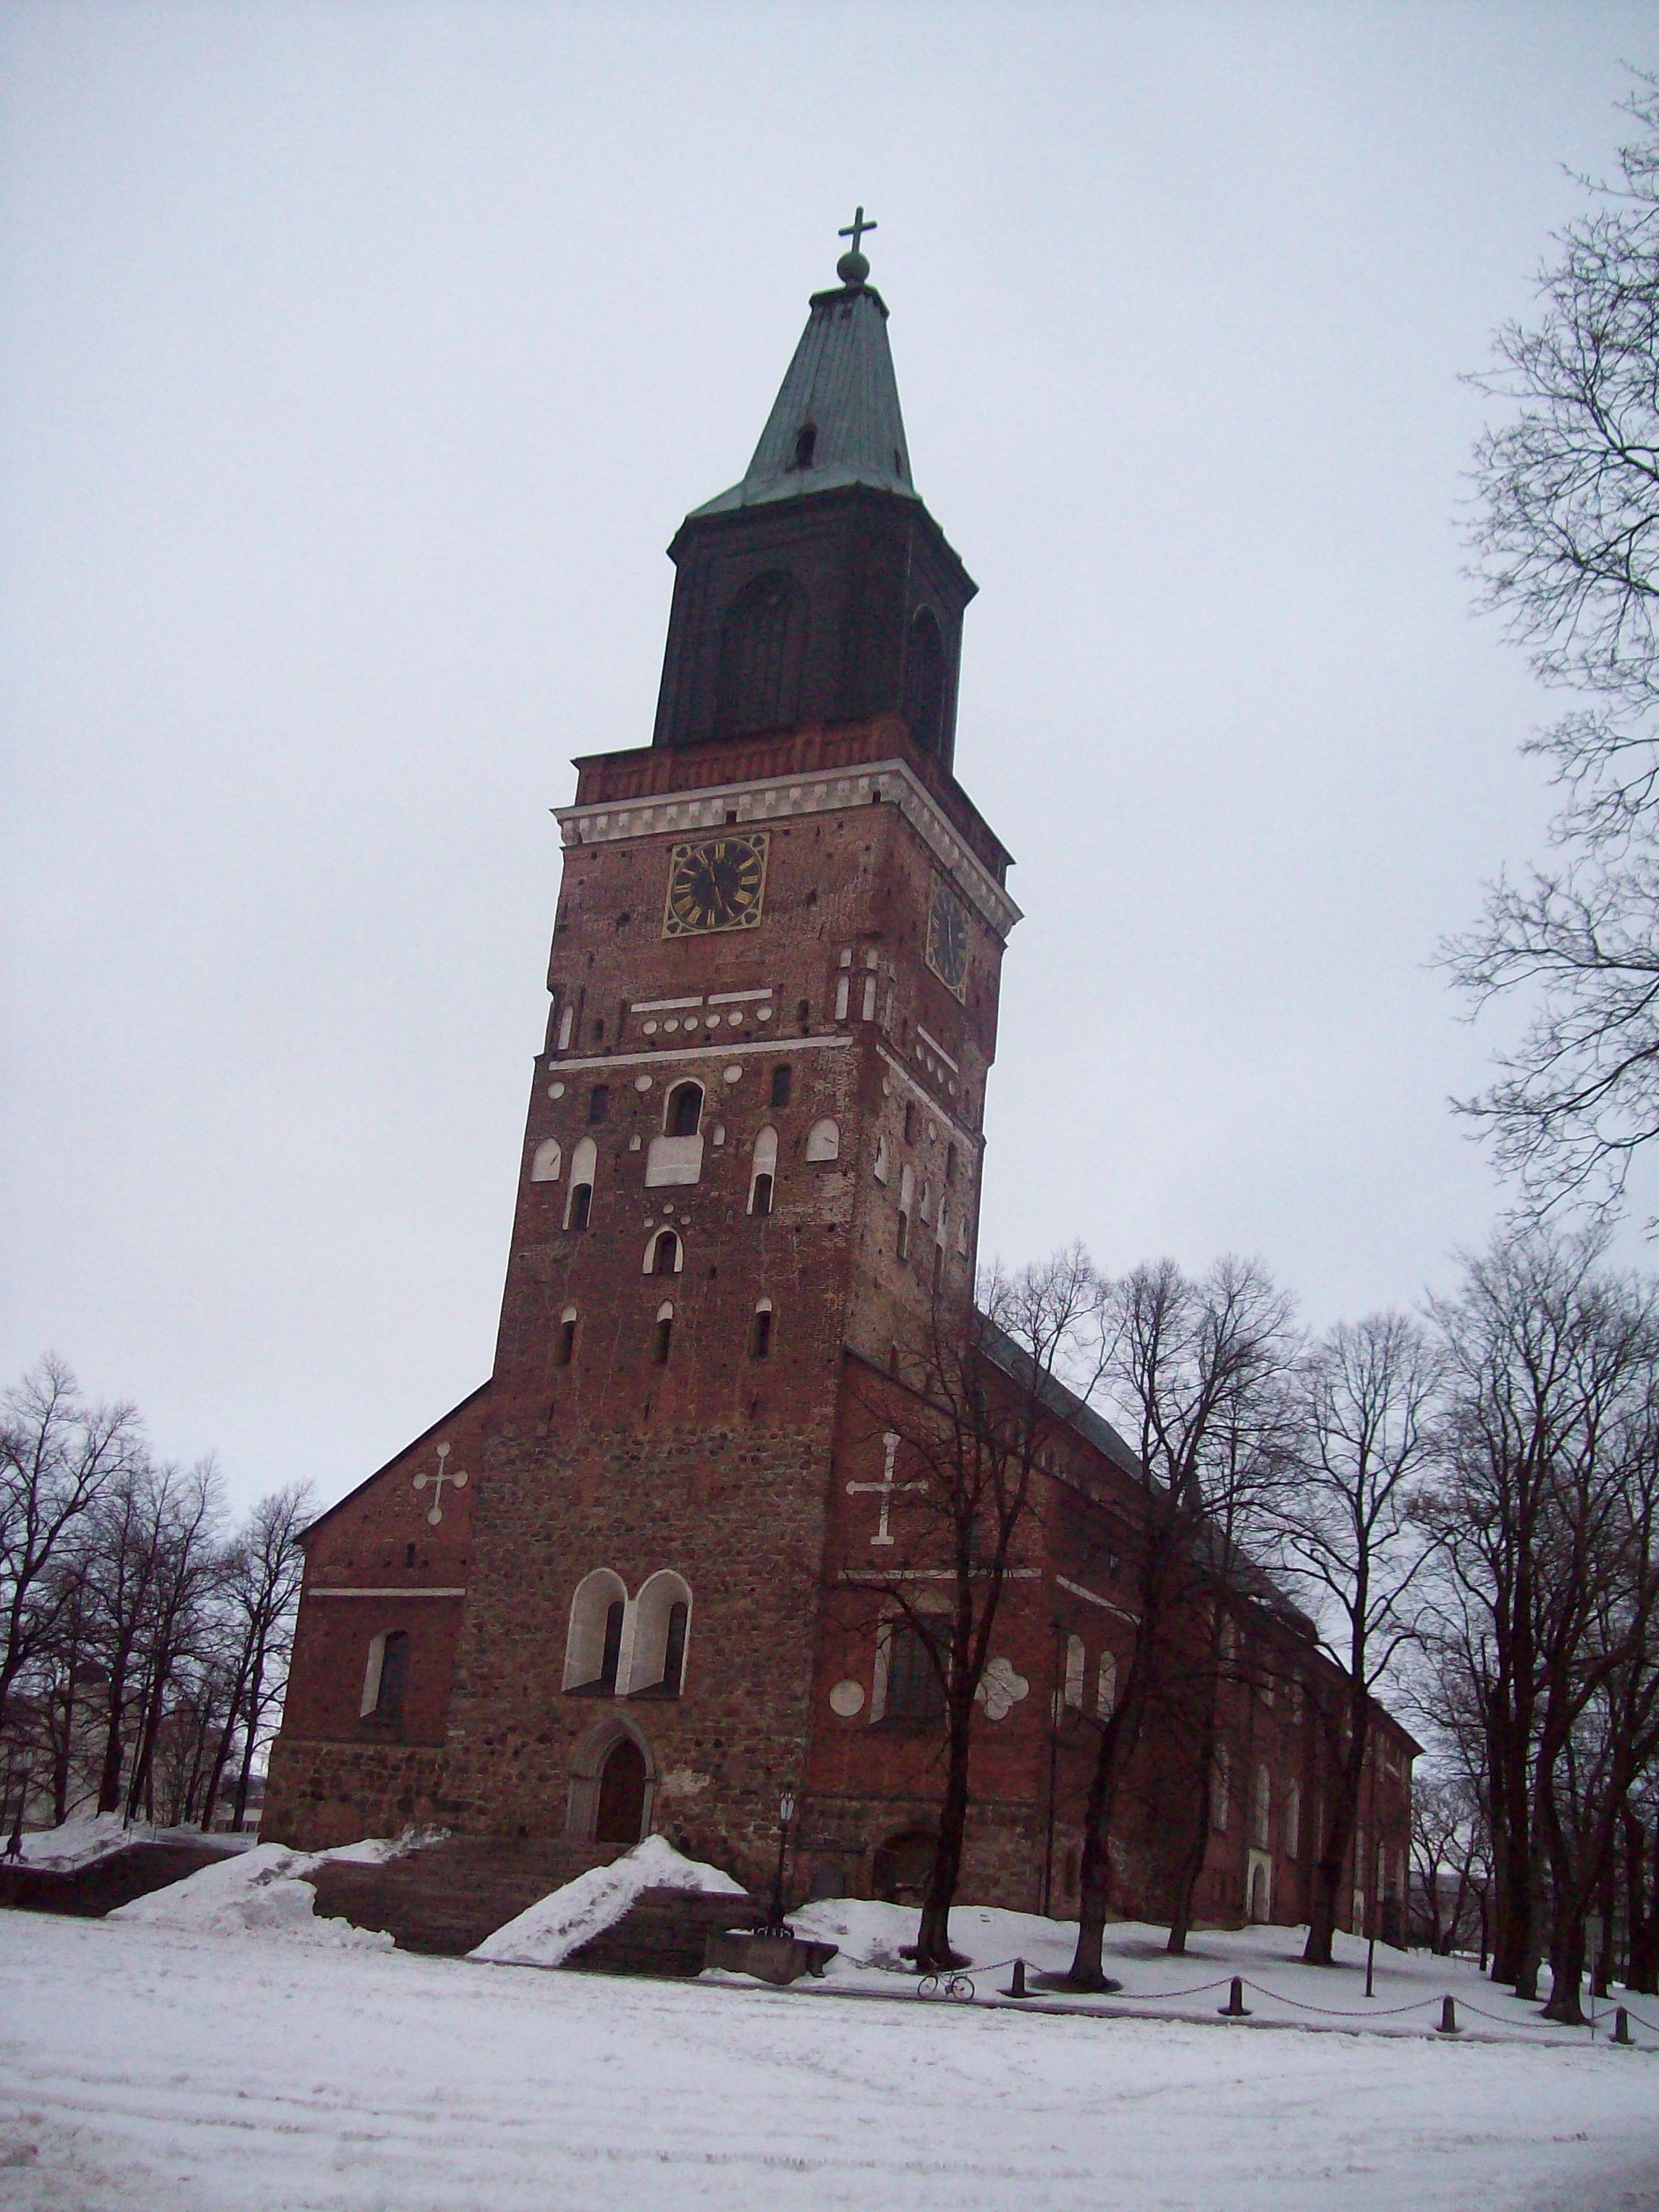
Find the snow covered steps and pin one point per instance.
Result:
(446, 1898)
(113, 1879)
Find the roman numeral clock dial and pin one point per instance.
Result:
(718, 885)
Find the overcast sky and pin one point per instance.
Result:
(358, 362)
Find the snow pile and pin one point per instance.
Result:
(266, 1892)
(90, 1837)
(79, 1842)
(555, 1926)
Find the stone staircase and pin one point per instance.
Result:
(90, 1891)
(446, 1897)
(665, 1932)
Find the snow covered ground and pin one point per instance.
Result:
(1408, 1986)
(156, 2069)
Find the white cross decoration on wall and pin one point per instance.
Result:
(456, 1481)
(884, 1489)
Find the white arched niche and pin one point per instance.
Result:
(584, 1164)
(547, 1161)
(662, 1628)
(824, 1140)
(763, 1172)
(587, 1662)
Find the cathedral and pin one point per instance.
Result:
(601, 1598)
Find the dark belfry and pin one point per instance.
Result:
(819, 589)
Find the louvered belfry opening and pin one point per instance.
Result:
(819, 589)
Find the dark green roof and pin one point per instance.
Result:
(840, 386)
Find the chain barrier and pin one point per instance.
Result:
(953, 1985)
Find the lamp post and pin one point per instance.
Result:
(774, 1924)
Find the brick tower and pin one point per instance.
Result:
(753, 1156)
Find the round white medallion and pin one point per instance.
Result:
(734, 1075)
(641, 1083)
(847, 1698)
(556, 1091)
(764, 1015)
(650, 1029)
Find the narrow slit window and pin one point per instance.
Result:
(598, 1103)
(783, 1078)
(760, 1341)
(665, 1337)
(567, 1347)
(613, 1631)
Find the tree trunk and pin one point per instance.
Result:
(1641, 1909)
(1566, 1967)
(1197, 1849)
(933, 1950)
(1318, 1951)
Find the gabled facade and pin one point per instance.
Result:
(750, 1172)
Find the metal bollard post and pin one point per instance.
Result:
(1448, 2017)
(1620, 2025)
(1017, 1987)
(1235, 2007)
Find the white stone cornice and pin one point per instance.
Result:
(560, 1063)
(777, 798)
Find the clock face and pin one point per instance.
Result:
(718, 884)
(947, 940)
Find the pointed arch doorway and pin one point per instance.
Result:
(620, 1814)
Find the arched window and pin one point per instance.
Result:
(763, 1171)
(579, 1205)
(682, 1115)
(760, 1340)
(1106, 1686)
(664, 1343)
(598, 1104)
(924, 681)
(824, 1140)
(662, 1613)
(883, 1156)
(906, 1200)
(664, 1254)
(567, 1344)
(762, 646)
(1290, 1822)
(1074, 1665)
(386, 1677)
(593, 1641)
(1261, 1807)
(806, 438)
(548, 1159)
(916, 1683)
(782, 1078)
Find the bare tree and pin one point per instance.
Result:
(974, 1427)
(1192, 1368)
(1551, 1365)
(1567, 543)
(264, 1571)
(58, 1456)
(1348, 1534)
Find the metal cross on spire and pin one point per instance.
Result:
(855, 230)
(853, 268)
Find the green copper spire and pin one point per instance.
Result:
(836, 419)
